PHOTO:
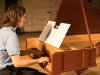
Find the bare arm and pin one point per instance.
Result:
(18, 62)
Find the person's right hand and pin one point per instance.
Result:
(43, 59)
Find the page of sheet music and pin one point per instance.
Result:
(56, 36)
(46, 30)
(52, 35)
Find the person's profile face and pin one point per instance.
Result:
(21, 21)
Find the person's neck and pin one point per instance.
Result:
(15, 28)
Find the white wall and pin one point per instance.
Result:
(38, 13)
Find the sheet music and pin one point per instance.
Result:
(52, 35)
(46, 30)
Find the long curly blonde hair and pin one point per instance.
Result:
(13, 14)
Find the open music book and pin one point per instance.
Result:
(54, 33)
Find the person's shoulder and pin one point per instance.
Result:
(7, 31)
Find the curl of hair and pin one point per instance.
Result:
(13, 14)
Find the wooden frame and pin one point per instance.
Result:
(62, 61)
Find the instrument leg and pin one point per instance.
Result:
(79, 72)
